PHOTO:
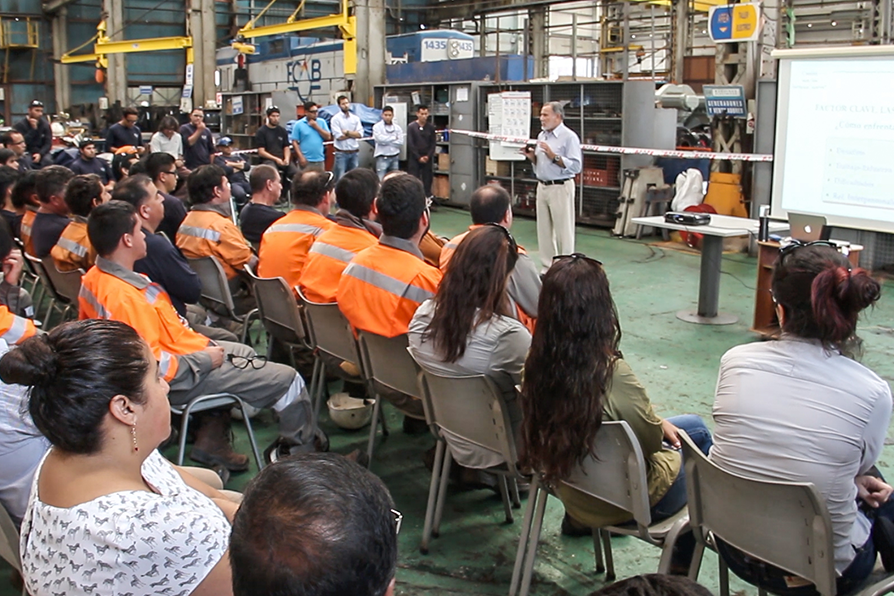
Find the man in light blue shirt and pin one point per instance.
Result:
(389, 139)
(557, 160)
(346, 130)
(308, 135)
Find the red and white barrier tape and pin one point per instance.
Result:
(627, 150)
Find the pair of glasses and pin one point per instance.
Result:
(173, 173)
(796, 244)
(398, 518)
(427, 203)
(513, 245)
(312, 111)
(330, 178)
(241, 362)
(578, 255)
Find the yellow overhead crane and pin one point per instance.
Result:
(347, 26)
(104, 45)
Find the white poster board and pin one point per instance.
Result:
(508, 114)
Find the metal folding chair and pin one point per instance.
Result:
(616, 476)
(216, 295)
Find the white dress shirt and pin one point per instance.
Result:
(342, 123)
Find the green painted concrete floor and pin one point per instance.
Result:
(676, 361)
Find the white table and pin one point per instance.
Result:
(721, 226)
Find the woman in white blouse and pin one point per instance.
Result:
(801, 409)
(469, 327)
(108, 514)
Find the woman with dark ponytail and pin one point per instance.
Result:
(108, 514)
(801, 409)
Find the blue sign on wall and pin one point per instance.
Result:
(725, 100)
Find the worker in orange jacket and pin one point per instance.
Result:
(73, 249)
(191, 363)
(355, 194)
(16, 309)
(384, 284)
(286, 243)
(491, 204)
(208, 230)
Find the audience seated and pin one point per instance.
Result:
(259, 214)
(52, 216)
(16, 308)
(469, 327)
(9, 158)
(315, 524)
(654, 584)
(801, 409)
(73, 249)
(88, 163)
(491, 203)
(107, 513)
(124, 158)
(235, 167)
(380, 290)
(575, 377)
(12, 216)
(21, 448)
(162, 169)
(208, 230)
(285, 244)
(356, 230)
(384, 284)
(24, 201)
(191, 363)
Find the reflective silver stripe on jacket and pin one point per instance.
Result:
(153, 291)
(339, 254)
(72, 247)
(164, 365)
(388, 283)
(203, 233)
(93, 301)
(17, 331)
(295, 227)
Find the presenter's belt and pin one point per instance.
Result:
(347, 150)
(552, 182)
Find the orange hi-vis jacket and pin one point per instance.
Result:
(286, 243)
(27, 223)
(15, 329)
(73, 249)
(206, 232)
(447, 254)
(384, 284)
(109, 291)
(328, 258)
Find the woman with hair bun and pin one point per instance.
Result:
(800, 409)
(108, 514)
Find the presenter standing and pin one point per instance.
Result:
(557, 158)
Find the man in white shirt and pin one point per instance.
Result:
(389, 139)
(346, 129)
(557, 160)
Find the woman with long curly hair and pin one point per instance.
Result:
(801, 409)
(470, 328)
(576, 377)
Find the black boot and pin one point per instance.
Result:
(214, 442)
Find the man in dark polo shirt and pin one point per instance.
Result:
(52, 216)
(235, 166)
(15, 142)
(272, 142)
(88, 163)
(259, 213)
(38, 135)
(126, 132)
(198, 143)
(162, 170)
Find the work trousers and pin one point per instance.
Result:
(274, 386)
(422, 171)
(555, 221)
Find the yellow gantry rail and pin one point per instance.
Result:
(346, 24)
(103, 46)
